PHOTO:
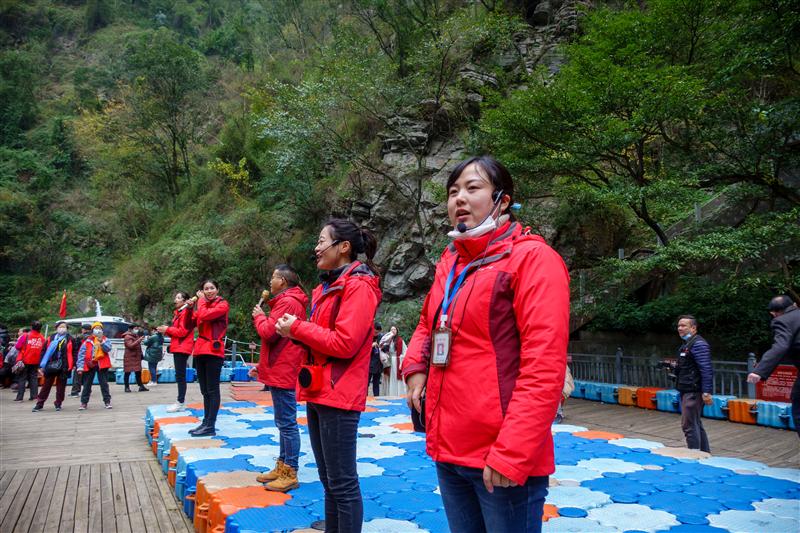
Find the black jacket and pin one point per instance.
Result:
(785, 344)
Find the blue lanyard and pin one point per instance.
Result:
(448, 286)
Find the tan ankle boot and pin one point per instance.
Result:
(286, 482)
(273, 474)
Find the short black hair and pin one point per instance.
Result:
(289, 274)
(36, 325)
(86, 326)
(692, 320)
(780, 303)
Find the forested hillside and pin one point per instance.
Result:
(146, 144)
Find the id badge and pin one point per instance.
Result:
(441, 347)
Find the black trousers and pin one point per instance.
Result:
(76, 383)
(209, 368)
(88, 378)
(376, 382)
(30, 374)
(127, 376)
(796, 404)
(180, 374)
(692, 421)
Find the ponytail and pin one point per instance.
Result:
(370, 248)
(362, 241)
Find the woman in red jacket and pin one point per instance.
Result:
(181, 344)
(211, 315)
(278, 366)
(490, 354)
(338, 336)
(30, 354)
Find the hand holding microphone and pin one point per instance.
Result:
(190, 302)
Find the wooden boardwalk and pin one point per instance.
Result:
(774, 447)
(85, 471)
(92, 471)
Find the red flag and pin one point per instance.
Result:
(62, 311)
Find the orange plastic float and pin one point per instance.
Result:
(742, 410)
(646, 397)
(173, 420)
(226, 502)
(216, 481)
(626, 395)
(550, 511)
(599, 435)
(408, 426)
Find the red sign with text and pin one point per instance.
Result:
(778, 388)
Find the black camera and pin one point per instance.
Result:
(418, 418)
(216, 345)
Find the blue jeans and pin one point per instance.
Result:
(333, 435)
(285, 406)
(471, 509)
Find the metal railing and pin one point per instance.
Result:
(730, 377)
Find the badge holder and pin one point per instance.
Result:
(441, 344)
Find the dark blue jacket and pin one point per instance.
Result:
(694, 372)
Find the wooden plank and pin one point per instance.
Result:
(132, 499)
(67, 523)
(10, 494)
(123, 523)
(95, 499)
(5, 479)
(107, 500)
(19, 498)
(45, 501)
(155, 514)
(57, 499)
(180, 522)
(82, 501)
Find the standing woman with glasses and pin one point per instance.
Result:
(181, 334)
(211, 314)
(490, 352)
(338, 336)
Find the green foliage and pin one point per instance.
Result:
(17, 93)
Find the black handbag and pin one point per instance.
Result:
(54, 366)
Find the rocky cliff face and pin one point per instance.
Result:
(418, 154)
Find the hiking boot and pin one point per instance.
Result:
(142, 388)
(82, 407)
(207, 431)
(176, 408)
(286, 482)
(273, 474)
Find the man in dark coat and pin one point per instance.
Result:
(694, 378)
(375, 365)
(785, 348)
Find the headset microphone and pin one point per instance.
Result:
(498, 196)
(315, 256)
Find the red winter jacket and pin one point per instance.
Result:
(33, 348)
(212, 324)
(280, 358)
(510, 324)
(86, 353)
(181, 332)
(339, 334)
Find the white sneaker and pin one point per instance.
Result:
(152, 383)
(176, 407)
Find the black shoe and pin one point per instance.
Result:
(207, 431)
(36, 408)
(319, 525)
(198, 428)
(142, 388)
(74, 394)
(19, 399)
(127, 389)
(58, 407)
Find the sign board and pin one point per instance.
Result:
(778, 388)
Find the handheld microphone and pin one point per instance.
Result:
(498, 196)
(190, 301)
